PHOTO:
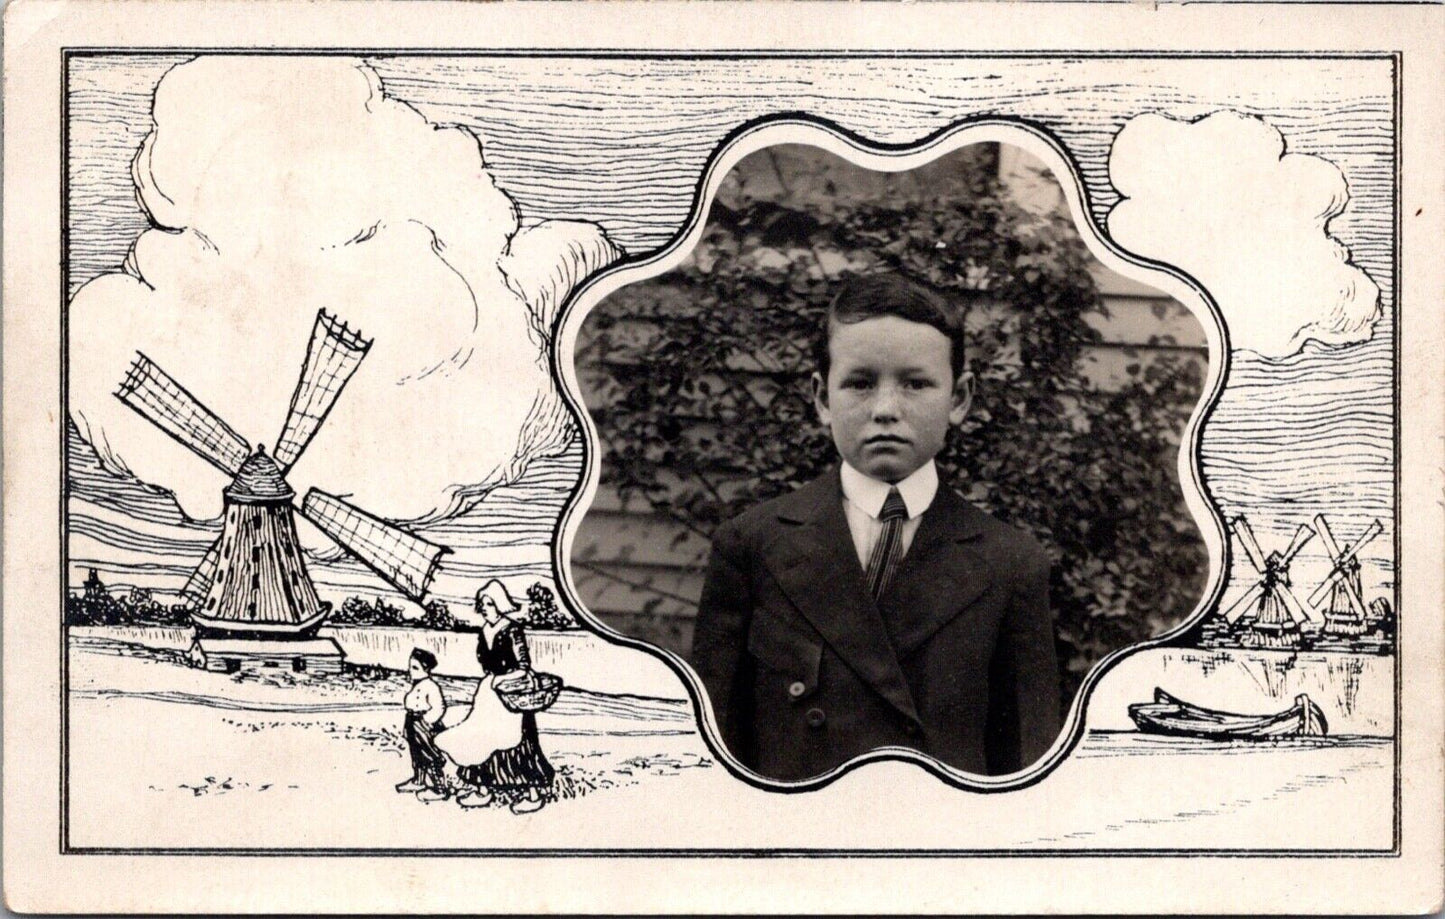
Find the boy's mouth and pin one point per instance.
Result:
(885, 440)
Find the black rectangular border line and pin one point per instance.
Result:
(700, 852)
(622, 53)
(64, 416)
(1397, 65)
(66, 53)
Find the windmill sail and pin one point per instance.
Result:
(408, 562)
(1300, 611)
(1301, 536)
(152, 393)
(199, 583)
(1341, 559)
(332, 356)
(1251, 545)
(1328, 536)
(1249, 601)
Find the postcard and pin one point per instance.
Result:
(723, 458)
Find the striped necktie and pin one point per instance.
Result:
(888, 551)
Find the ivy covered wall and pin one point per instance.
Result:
(698, 382)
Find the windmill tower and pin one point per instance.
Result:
(1345, 612)
(255, 603)
(1277, 613)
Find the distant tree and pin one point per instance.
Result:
(139, 607)
(353, 611)
(389, 613)
(90, 610)
(356, 611)
(96, 606)
(438, 616)
(543, 612)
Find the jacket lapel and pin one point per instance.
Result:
(942, 575)
(813, 560)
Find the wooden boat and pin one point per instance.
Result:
(1168, 715)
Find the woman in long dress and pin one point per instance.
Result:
(496, 749)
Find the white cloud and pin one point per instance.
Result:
(282, 185)
(1220, 199)
(546, 261)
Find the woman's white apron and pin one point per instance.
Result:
(487, 728)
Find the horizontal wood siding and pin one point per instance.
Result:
(642, 573)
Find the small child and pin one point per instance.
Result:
(424, 710)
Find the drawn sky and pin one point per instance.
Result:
(622, 142)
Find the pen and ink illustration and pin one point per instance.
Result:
(411, 623)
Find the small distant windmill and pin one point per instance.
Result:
(1345, 612)
(1278, 613)
(254, 600)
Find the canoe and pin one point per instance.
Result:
(1169, 715)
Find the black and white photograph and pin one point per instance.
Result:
(706, 458)
(989, 362)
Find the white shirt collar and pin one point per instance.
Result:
(868, 494)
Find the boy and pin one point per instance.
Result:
(874, 607)
(424, 710)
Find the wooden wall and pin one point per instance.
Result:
(642, 573)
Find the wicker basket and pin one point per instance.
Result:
(538, 695)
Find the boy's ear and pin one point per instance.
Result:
(820, 399)
(962, 398)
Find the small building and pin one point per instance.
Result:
(94, 588)
(232, 655)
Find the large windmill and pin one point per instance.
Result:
(252, 584)
(1345, 613)
(1277, 612)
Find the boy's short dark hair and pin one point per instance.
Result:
(424, 657)
(890, 294)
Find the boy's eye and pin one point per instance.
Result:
(918, 384)
(857, 383)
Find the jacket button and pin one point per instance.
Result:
(797, 689)
(910, 729)
(816, 718)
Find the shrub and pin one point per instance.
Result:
(90, 610)
(436, 615)
(543, 612)
(98, 606)
(356, 611)
(139, 607)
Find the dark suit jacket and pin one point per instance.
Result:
(801, 668)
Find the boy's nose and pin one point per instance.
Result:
(885, 405)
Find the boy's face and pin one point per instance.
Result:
(890, 395)
(417, 671)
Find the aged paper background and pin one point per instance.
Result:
(886, 805)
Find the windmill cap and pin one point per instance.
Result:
(259, 481)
